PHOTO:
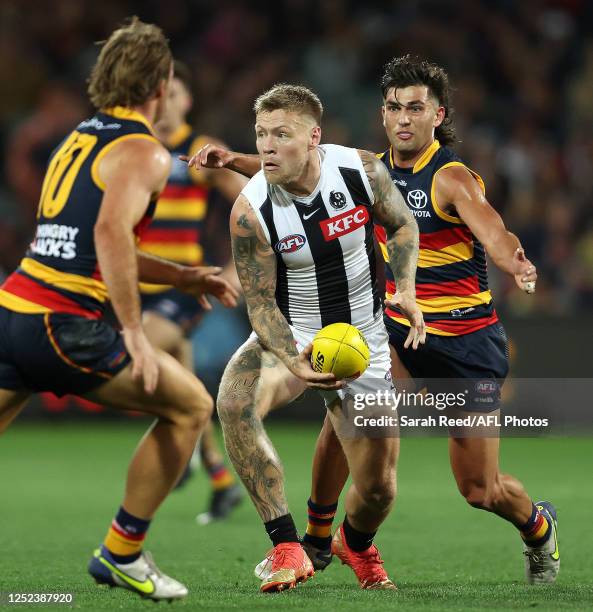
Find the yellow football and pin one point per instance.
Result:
(341, 349)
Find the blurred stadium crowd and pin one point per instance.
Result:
(523, 74)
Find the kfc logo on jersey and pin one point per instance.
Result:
(290, 244)
(345, 223)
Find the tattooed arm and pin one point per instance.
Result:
(401, 228)
(216, 155)
(256, 267)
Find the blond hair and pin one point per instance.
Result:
(131, 65)
(294, 98)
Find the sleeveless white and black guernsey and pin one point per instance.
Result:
(323, 244)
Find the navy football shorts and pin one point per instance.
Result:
(477, 362)
(175, 306)
(61, 353)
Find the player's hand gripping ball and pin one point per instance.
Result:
(341, 349)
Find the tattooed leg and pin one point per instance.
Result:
(277, 386)
(255, 378)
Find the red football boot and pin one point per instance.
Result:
(290, 565)
(367, 565)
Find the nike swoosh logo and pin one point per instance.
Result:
(147, 586)
(305, 217)
(556, 554)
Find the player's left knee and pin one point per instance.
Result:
(228, 409)
(203, 409)
(379, 493)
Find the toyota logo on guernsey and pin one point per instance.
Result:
(343, 224)
(417, 199)
(290, 244)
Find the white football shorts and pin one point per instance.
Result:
(377, 377)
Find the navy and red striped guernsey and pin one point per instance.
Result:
(176, 230)
(451, 279)
(60, 272)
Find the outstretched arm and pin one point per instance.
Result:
(216, 155)
(222, 177)
(256, 267)
(402, 243)
(455, 187)
(193, 280)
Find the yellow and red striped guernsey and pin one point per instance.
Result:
(175, 233)
(451, 279)
(60, 272)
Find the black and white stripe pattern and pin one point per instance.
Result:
(323, 244)
(328, 260)
(358, 193)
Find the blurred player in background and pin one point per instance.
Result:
(176, 233)
(327, 196)
(100, 189)
(465, 338)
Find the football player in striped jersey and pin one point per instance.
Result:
(302, 236)
(100, 189)
(176, 233)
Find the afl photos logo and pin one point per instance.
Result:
(337, 199)
(417, 200)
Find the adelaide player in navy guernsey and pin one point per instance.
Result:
(465, 340)
(100, 189)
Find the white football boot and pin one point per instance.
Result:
(141, 576)
(542, 563)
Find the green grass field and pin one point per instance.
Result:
(62, 483)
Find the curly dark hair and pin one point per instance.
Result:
(410, 70)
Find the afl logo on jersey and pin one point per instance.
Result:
(290, 244)
(337, 199)
(417, 199)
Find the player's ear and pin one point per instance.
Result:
(315, 136)
(162, 89)
(383, 113)
(440, 116)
